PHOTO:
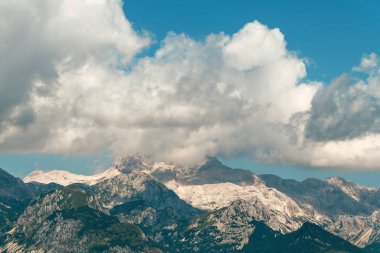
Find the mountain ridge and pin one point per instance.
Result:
(285, 203)
(343, 208)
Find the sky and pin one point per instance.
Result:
(284, 87)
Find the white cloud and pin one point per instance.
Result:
(79, 92)
(254, 45)
(40, 37)
(368, 63)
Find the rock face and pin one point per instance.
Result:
(225, 230)
(232, 229)
(359, 230)
(321, 195)
(140, 199)
(139, 186)
(368, 196)
(351, 210)
(157, 196)
(275, 208)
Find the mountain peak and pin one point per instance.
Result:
(339, 181)
(211, 161)
(131, 162)
(344, 183)
(356, 191)
(36, 172)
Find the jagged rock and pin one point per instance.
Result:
(140, 199)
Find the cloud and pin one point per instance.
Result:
(254, 45)
(343, 126)
(74, 83)
(345, 109)
(40, 38)
(368, 63)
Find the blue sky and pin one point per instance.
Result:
(331, 36)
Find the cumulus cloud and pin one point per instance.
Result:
(259, 45)
(70, 86)
(41, 38)
(343, 126)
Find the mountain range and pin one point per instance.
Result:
(140, 205)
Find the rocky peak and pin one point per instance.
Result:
(139, 186)
(225, 230)
(131, 162)
(354, 190)
(214, 172)
(211, 162)
(338, 181)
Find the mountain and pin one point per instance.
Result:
(15, 195)
(232, 229)
(64, 221)
(354, 219)
(309, 238)
(13, 187)
(213, 172)
(280, 212)
(127, 203)
(359, 230)
(343, 208)
(134, 212)
(322, 195)
(64, 178)
(140, 199)
(10, 210)
(368, 196)
(225, 230)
